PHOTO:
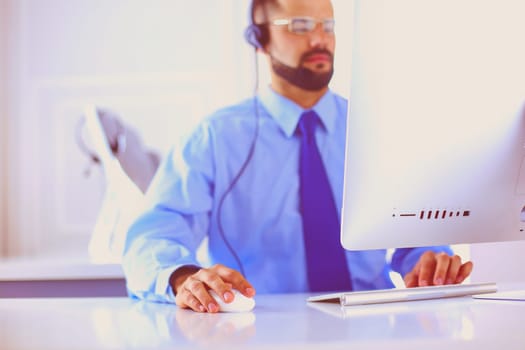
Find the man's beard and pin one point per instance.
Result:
(303, 77)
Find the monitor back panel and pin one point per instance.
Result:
(436, 125)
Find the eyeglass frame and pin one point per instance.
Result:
(289, 21)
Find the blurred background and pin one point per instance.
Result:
(161, 66)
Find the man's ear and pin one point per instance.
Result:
(262, 49)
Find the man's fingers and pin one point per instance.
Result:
(186, 300)
(194, 291)
(214, 281)
(230, 275)
(438, 269)
(427, 266)
(236, 279)
(441, 268)
(411, 279)
(195, 304)
(199, 291)
(464, 271)
(453, 269)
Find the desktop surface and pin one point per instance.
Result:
(277, 322)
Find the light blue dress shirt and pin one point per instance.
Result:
(260, 216)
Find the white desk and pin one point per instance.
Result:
(277, 322)
(23, 278)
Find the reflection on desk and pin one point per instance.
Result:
(393, 320)
(152, 324)
(277, 322)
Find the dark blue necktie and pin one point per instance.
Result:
(326, 262)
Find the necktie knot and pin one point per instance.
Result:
(308, 123)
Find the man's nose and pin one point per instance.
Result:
(318, 36)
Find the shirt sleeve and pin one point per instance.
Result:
(404, 259)
(176, 220)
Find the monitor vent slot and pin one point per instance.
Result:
(433, 214)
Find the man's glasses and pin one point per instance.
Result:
(303, 25)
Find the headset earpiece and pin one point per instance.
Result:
(257, 35)
(253, 36)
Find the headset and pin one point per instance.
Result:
(258, 36)
(255, 34)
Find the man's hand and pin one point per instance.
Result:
(191, 285)
(438, 269)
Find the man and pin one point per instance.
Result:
(239, 182)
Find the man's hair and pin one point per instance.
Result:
(259, 8)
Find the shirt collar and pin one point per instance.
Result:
(287, 113)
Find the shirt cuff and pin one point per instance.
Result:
(162, 285)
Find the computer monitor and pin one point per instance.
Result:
(435, 150)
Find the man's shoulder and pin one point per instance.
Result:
(230, 120)
(244, 108)
(340, 99)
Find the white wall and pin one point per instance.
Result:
(3, 124)
(162, 65)
(498, 262)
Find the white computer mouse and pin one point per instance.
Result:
(240, 303)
